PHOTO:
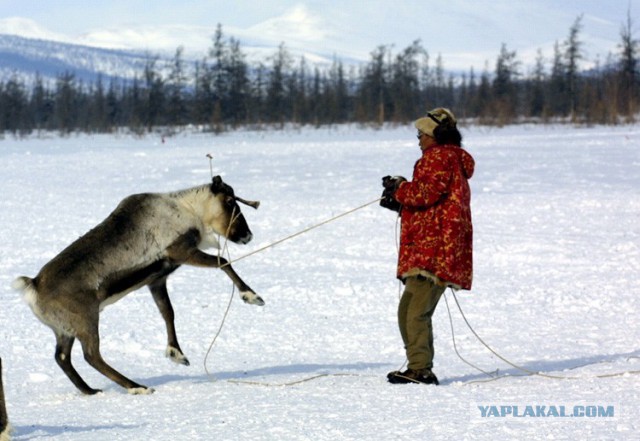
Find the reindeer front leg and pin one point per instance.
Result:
(185, 251)
(246, 293)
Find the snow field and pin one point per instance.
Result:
(556, 255)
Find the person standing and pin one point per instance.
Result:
(435, 236)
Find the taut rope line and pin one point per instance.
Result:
(306, 230)
(225, 249)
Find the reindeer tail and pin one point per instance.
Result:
(27, 287)
(4, 421)
(22, 283)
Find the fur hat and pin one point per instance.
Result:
(436, 117)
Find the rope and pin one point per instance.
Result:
(292, 383)
(523, 369)
(528, 372)
(306, 230)
(225, 248)
(215, 338)
(455, 346)
(520, 368)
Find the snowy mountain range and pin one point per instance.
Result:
(28, 49)
(26, 58)
(465, 34)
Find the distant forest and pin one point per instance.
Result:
(222, 91)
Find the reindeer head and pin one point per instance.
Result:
(231, 223)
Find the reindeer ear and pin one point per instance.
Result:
(216, 184)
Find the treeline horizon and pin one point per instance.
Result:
(222, 91)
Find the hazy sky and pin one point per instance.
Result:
(464, 32)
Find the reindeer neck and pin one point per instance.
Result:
(194, 199)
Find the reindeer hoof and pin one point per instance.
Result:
(176, 355)
(142, 390)
(252, 298)
(91, 391)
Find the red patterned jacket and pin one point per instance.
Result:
(436, 232)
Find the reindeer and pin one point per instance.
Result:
(145, 239)
(5, 428)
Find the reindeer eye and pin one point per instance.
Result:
(229, 200)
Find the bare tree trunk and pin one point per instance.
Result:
(4, 421)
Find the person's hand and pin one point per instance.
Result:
(392, 182)
(388, 200)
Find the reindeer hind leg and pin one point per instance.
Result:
(90, 340)
(64, 344)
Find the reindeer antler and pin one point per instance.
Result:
(253, 204)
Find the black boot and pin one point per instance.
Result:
(424, 376)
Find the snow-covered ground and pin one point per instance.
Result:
(557, 259)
